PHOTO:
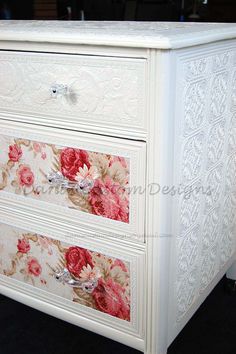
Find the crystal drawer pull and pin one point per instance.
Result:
(58, 90)
(64, 277)
(57, 179)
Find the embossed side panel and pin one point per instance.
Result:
(205, 169)
(100, 91)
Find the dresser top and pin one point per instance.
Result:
(161, 35)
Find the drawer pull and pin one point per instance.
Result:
(64, 277)
(58, 90)
(57, 179)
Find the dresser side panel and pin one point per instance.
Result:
(203, 222)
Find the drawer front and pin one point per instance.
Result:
(86, 179)
(74, 91)
(93, 281)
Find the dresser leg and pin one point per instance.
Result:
(159, 350)
(231, 273)
(231, 279)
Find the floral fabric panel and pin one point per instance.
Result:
(92, 182)
(86, 277)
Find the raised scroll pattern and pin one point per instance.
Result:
(195, 68)
(104, 90)
(185, 293)
(229, 208)
(189, 211)
(230, 174)
(218, 95)
(210, 228)
(206, 152)
(192, 157)
(214, 184)
(194, 106)
(215, 147)
(232, 135)
(187, 251)
(233, 98)
(227, 246)
(208, 267)
(221, 61)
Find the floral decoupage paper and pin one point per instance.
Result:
(32, 168)
(89, 278)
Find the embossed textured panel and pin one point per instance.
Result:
(205, 158)
(99, 90)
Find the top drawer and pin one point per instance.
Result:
(74, 91)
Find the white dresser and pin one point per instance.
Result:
(117, 172)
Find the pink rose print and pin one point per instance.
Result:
(119, 263)
(37, 147)
(106, 200)
(118, 159)
(23, 245)
(34, 267)
(46, 244)
(109, 298)
(76, 259)
(15, 153)
(103, 288)
(25, 176)
(71, 161)
(43, 155)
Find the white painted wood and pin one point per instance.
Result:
(158, 212)
(186, 137)
(100, 92)
(161, 35)
(203, 225)
(101, 50)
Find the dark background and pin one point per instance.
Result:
(24, 330)
(140, 10)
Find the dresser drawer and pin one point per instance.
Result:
(100, 283)
(75, 178)
(74, 91)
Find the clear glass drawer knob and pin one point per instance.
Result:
(63, 276)
(57, 180)
(58, 90)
